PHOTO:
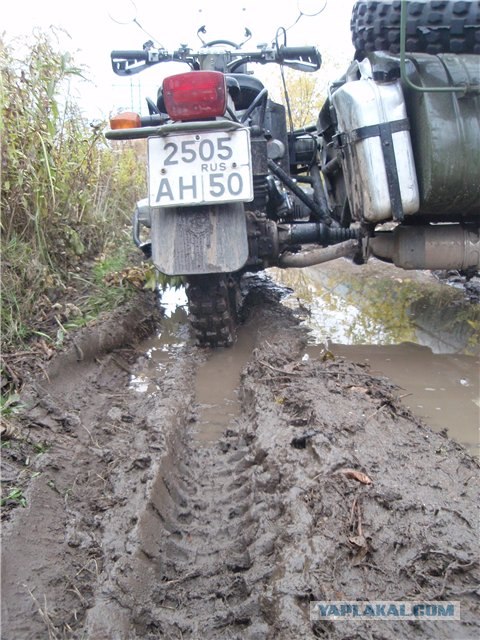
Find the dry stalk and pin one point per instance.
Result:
(46, 617)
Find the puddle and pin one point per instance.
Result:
(162, 348)
(421, 334)
(442, 389)
(418, 332)
(216, 386)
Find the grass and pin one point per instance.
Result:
(66, 198)
(40, 447)
(105, 288)
(15, 497)
(10, 405)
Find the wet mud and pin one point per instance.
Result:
(190, 493)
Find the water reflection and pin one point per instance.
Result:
(173, 300)
(378, 304)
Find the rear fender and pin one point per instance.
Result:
(200, 239)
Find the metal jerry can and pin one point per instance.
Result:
(375, 146)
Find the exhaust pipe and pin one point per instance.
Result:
(317, 256)
(441, 246)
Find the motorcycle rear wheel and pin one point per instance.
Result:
(214, 302)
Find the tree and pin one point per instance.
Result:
(306, 91)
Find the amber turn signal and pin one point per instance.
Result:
(125, 120)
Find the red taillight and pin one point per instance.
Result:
(195, 95)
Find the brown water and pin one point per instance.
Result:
(218, 377)
(216, 386)
(442, 389)
(420, 333)
(162, 348)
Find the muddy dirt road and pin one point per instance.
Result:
(185, 493)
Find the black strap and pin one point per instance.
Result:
(391, 171)
(384, 131)
(373, 130)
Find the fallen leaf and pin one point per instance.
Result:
(360, 556)
(358, 389)
(358, 541)
(47, 350)
(327, 355)
(353, 474)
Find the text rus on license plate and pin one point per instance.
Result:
(200, 168)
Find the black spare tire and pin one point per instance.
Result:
(433, 26)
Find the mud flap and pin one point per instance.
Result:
(201, 239)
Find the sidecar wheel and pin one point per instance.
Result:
(433, 26)
(213, 302)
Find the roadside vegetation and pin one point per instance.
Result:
(66, 201)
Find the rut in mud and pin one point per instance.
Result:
(159, 512)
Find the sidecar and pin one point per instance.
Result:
(401, 134)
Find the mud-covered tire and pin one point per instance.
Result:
(213, 302)
(433, 26)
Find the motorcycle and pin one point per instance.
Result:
(388, 169)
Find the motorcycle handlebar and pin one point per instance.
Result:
(126, 62)
(297, 52)
(300, 58)
(127, 54)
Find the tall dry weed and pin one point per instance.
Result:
(64, 192)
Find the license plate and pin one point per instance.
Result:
(200, 168)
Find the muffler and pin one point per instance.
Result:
(441, 246)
